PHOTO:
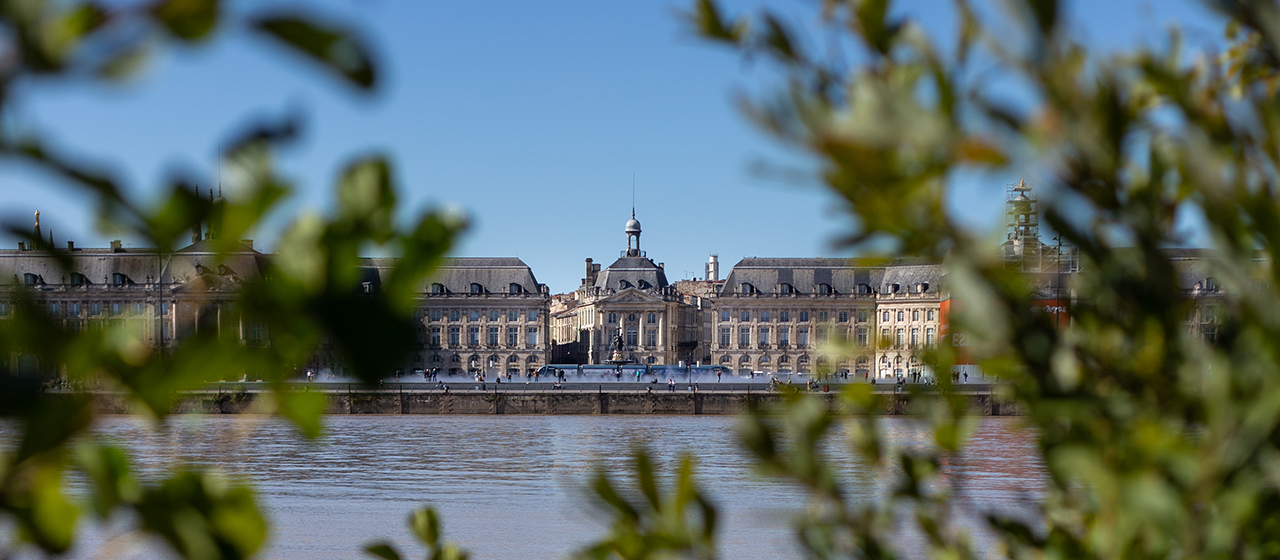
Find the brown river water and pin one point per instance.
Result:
(512, 487)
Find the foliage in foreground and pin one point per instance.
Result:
(1158, 442)
(312, 295)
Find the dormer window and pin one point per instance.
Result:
(477, 288)
(864, 288)
(32, 279)
(437, 288)
(119, 279)
(78, 279)
(515, 288)
(922, 287)
(747, 288)
(825, 289)
(644, 285)
(785, 288)
(895, 288)
(623, 284)
(1210, 285)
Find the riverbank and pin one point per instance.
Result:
(592, 400)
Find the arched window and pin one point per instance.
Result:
(864, 288)
(764, 359)
(822, 360)
(725, 359)
(644, 285)
(435, 358)
(515, 288)
(747, 288)
(803, 359)
(784, 360)
(512, 359)
(477, 288)
(623, 284)
(455, 358)
(744, 359)
(651, 360)
(532, 359)
(437, 288)
(785, 288)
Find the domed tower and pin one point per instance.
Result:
(633, 230)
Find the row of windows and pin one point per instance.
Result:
(766, 316)
(77, 279)
(492, 336)
(861, 316)
(476, 288)
(865, 289)
(476, 314)
(899, 337)
(93, 309)
(650, 318)
(493, 360)
(902, 315)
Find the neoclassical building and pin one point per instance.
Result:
(779, 314)
(483, 313)
(627, 313)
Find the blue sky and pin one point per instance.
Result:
(530, 117)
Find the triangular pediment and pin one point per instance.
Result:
(632, 295)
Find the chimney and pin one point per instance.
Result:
(713, 268)
(71, 245)
(662, 266)
(116, 246)
(22, 246)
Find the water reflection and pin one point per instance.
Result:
(511, 487)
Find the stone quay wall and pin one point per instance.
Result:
(541, 402)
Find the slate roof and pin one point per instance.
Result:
(632, 270)
(495, 274)
(99, 266)
(845, 276)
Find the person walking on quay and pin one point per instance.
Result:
(717, 376)
(966, 377)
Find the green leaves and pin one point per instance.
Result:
(679, 522)
(203, 517)
(188, 20)
(425, 524)
(336, 49)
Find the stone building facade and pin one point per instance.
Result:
(627, 313)
(485, 314)
(780, 314)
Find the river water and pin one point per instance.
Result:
(511, 487)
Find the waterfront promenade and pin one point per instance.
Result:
(544, 398)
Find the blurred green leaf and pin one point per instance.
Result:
(188, 20)
(335, 48)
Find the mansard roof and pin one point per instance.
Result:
(457, 274)
(843, 276)
(633, 271)
(100, 265)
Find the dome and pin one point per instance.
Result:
(633, 225)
